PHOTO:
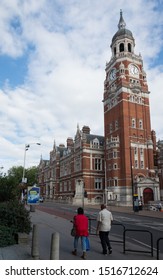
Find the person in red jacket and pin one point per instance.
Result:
(81, 231)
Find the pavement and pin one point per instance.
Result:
(48, 223)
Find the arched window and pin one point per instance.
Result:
(129, 47)
(114, 51)
(133, 124)
(121, 47)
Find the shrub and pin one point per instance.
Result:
(6, 236)
(14, 218)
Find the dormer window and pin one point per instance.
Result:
(95, 143)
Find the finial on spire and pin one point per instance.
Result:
(121, 23)
(78, 129)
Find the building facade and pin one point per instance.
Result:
(75, 173)
(129, 142)
(120, 165)
(159, 162)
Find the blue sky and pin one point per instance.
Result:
(13, 70)
(52, 69)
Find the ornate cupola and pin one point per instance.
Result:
(123, 40)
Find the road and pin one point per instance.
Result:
(125, 220)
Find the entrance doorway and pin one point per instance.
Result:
(148, 195)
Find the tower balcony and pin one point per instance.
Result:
(112, 142)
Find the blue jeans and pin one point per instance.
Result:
(83, 242)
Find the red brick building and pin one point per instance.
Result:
(120, 165)
(159, 163)
(75, 172)
(130, 143)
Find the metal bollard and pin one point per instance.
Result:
(32, 208)
(35, 243)
(54, 251)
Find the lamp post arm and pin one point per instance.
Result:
(27, 146)
(25, 149)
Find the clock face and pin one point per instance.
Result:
(133, 69)
(112, 74)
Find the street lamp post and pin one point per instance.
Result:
(27, 146)
(1, 167)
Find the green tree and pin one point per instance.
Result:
(10, 184)
(5, 189)
(31, 175)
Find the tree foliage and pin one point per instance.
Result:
(10, 184)
(14, 217)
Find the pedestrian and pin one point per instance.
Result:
(159, 207)
(81, 231)
(104, 220)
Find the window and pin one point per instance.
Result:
(140, 124)
(115, 154)
(136, 163)
(109, 167)
(98, 164)
(98, 183)
(110, 182)
(141, 152)
(111, 128)
(116, 125)
(121, 47)
(133, 123)
(122, 71)
(65, 186)
(95, 143)
(65, 169)
(115, 182)
(142, 164)
(135, 150)
(77, 163)
(110, 155)
(115, 166)
(69, 185)
(61, 170)
(60, 188)
(129, 47)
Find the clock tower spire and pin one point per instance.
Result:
(127, 127)
(121, 23)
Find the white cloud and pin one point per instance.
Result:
(67, 44)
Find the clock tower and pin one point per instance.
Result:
(129, 141)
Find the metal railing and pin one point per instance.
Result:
(139, 251)
(124, 237)
(121, 225)
(91, 232)
(158, 248)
